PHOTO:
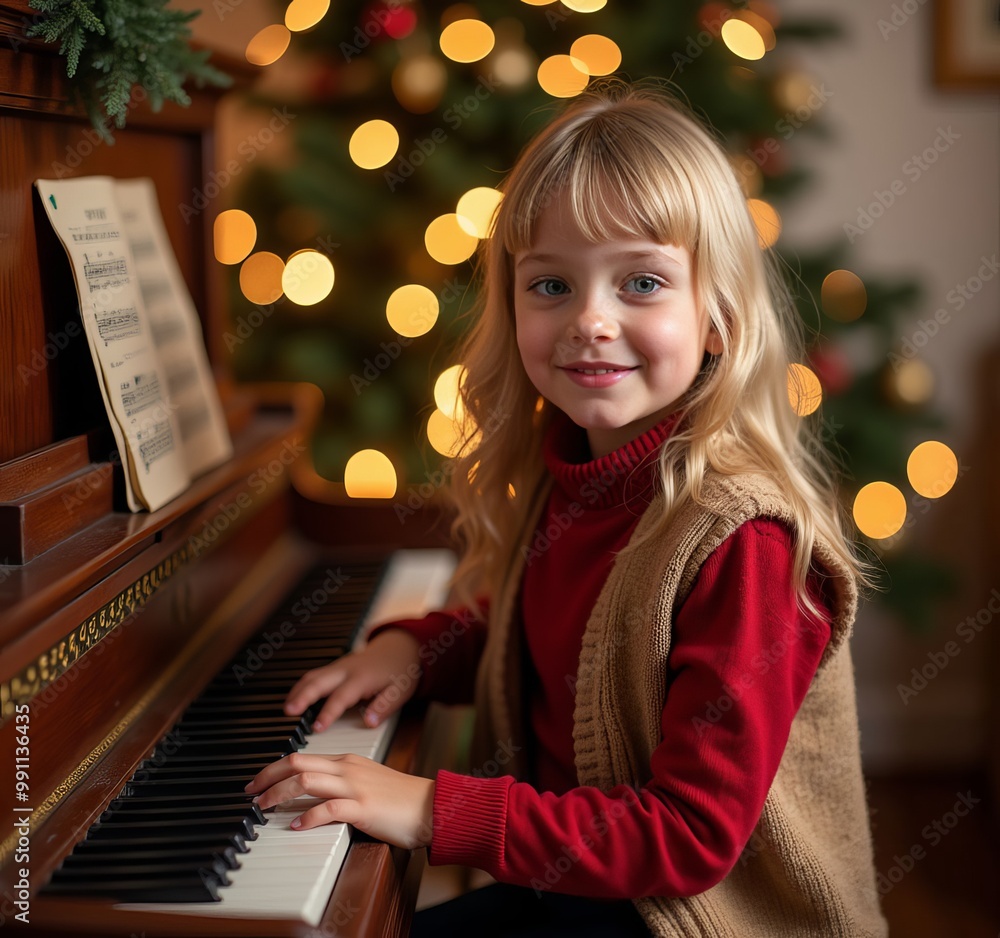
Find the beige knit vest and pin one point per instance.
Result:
(808, 868)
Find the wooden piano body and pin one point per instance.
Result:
(111, 622)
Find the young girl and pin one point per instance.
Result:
(666, 735)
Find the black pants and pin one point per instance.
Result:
(503, 911)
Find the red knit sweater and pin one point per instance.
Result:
(741, 661)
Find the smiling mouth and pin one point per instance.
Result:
(603, 370)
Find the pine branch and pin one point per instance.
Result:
(119, 45)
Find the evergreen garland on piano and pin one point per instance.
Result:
(113, 47)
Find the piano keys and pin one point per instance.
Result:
(182, 834)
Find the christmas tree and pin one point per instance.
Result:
(457, 89)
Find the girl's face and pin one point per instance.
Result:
(610, 333)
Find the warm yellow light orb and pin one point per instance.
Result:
(599, 54)
(761, 26)
(844, 296)
(448, 392)
(234, 235)
(268, 45)
(412, 310)
(766, 220)
(562, 76)
(585, 6)
(932, 469)
(373, 144)
(447, 241)
(475, 210)
(911, 382)
(260, 277)
(307, 277)
(445, 434)
(418, 82)
(805, 393)
(369, 474)
(743, 40)
(467, 40)
(304, 14)
(879, 510)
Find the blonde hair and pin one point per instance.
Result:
(634, 164)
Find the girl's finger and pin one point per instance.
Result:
(383, 704)
(329, 811)
(290, 766)
(313, 685)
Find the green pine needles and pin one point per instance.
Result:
(115, 46)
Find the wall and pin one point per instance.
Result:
(884, 110)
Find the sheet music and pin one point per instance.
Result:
(141, 358)
(176, 330)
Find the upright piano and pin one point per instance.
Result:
(145, 656)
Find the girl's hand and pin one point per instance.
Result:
(385, 672)
(380, 801)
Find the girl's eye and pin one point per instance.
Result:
(644, 285)
(549, 287)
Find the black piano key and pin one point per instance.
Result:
(195, 758)
(220, 770)
(221, 843)
(153, 809)
(198, 886)
(243, 724)
(225, 857)
(197, 830)
(219, 734)
(119, 872)
(251, 746)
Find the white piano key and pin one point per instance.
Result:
(290, 874)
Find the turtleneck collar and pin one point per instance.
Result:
(625, 476)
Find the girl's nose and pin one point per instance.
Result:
(592, 322)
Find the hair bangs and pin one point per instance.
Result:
(619, 182)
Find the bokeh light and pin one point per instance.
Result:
(308, 277)
(761, 26)
(932, 469)
(418, 83)
(599, 54)
(445, 434)
(373, 144)
(412, 310)
(369, 474)
(233, 235)
(743, 40)
(585, 6)
(562, 76)
(260, 277)
(447, 241)
(475, 210)
(765, 220)
(879, 510)
(268, 45)
(467, 40)
(909, 383)
(843, 295)
(447, 392)
(805, 393)
(304, 14)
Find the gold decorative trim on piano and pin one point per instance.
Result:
(54, 663)
(70, 781)
(283, 547)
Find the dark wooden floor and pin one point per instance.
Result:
(937, 849)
